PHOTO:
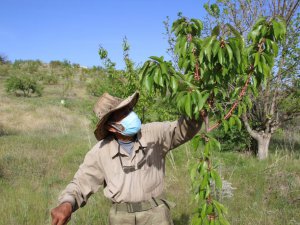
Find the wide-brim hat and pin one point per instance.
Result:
(105, 106)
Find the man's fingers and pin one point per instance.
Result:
(63, 221)
(54, 221)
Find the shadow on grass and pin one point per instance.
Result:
(183, 220)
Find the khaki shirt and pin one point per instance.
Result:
(103, 164)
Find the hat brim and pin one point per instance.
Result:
(101, 131)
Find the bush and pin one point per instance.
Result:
(234, 139)
(24, 84)
(4, 69)
(114, 86)
(49, 79)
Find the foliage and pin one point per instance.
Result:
(4, 59)
(50, 79)
(213, 76)
(234, 139)
(122, 83)
(25, 84)
(5, 69)
(67, 77)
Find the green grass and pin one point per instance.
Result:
(41, 151)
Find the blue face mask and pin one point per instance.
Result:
(132, 124)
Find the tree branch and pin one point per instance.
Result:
(242, 93)
(252, 133)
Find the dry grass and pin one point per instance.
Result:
(26, 118)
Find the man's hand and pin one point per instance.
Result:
(61, 214)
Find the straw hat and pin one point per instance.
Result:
(105, 106)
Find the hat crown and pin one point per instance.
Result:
(105, 104)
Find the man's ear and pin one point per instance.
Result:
(111, 129)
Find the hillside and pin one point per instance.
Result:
(42, 143)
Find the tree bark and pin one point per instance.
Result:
(262, 138)
(263, 141)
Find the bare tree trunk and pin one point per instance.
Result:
(262, 138)
(263, 141)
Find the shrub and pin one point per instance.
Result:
(234, 139)
(50, 79)
(4, 69)
(24, 84)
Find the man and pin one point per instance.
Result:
(129, 160)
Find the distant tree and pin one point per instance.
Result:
(67, 77)
(25, 84)
(5, 65)
(55, 63)
(3, 59)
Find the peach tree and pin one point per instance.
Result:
(215, 76)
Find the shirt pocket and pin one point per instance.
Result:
(152, 176)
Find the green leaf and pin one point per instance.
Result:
(238, 122)
(157, 75)
(216, 31)
(225, 125)
(217, 179)
(240, 110)
(234, 31)
(180, 99)
(231, 122)
(276, 29)
(215, 144)
(266, 70)
(198, 23)
(158, 59)
(269, 59)
(148, 83)
(207, 51)
(203, 210)
(183, 49)
(161, 81)
(275, 48)
(202, 100)
(229, 51)
(188, 106)
(259, 67)
(236, 50)
(164, 68)
(195, 141)
(174, 84)
(144, 70)
(257, 58)
(215, 48)
(221, 56)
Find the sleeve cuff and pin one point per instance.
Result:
(70, 199)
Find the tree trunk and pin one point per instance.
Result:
(263, 142)
(262, 138)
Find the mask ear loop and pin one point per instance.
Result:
(116, 127)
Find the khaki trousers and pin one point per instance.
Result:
(159, 215)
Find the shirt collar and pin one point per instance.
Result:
(138, 144)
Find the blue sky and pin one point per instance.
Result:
(73, 30)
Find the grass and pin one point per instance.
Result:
(42, 143)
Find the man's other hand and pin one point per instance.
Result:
(61, 214)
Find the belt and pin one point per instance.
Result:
(132, 207)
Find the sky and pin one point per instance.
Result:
(74, 29)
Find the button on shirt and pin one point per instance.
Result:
(102, 165)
